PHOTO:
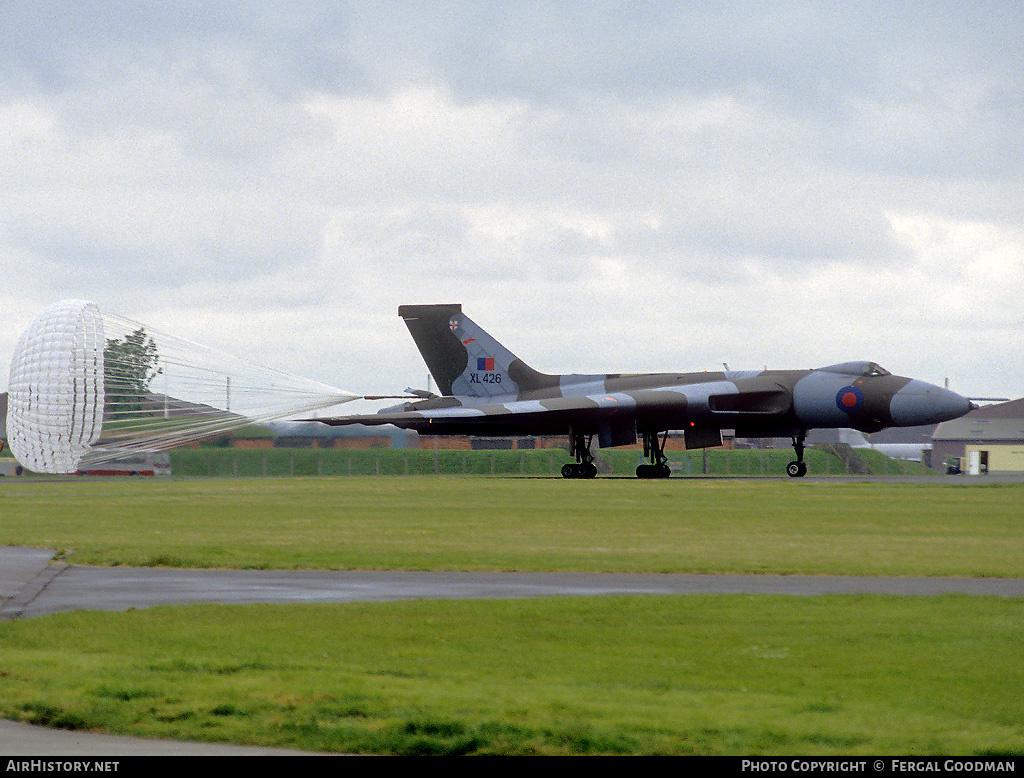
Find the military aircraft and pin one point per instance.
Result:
(486, 390)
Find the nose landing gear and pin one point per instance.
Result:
(798, 469)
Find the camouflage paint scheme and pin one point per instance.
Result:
(488, 391)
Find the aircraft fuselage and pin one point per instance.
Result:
(755, 403)
(488, 391)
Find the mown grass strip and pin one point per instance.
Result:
(633, 675)
(454, 523)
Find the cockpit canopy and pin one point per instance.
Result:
(857, 369)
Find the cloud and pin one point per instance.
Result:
(968, 273)
(605, 186)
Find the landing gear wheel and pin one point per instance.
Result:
(580, 470)
(653, 471)
(796, 469)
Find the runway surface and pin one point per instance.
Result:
(33, 584)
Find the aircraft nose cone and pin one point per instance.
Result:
(922, 403)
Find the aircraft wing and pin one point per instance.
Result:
(718, 403)
(552, 415)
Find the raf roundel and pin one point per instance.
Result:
(850, 399)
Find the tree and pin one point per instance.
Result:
(129, 365)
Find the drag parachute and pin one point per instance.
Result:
(88, 386)
(55, 393)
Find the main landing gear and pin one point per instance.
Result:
(579, 447)
(798, 469)
(654, 449)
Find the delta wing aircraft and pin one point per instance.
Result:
(488, 391)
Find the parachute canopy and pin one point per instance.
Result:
(88, 386)
(55, 394)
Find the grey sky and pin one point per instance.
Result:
(604, 186)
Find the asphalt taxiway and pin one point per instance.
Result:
(33, 583)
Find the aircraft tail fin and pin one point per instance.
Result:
(463, 359)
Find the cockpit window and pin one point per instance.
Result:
(877, 369)
(857, 368)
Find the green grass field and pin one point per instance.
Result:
(456, 523)
(631, 675)
(620, 675)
